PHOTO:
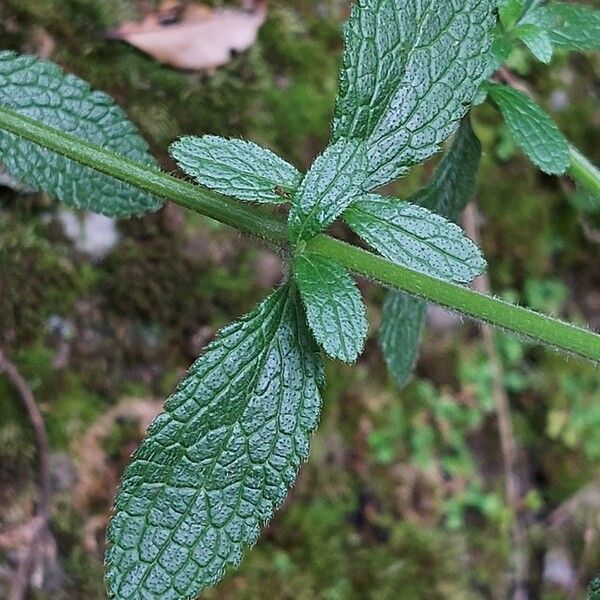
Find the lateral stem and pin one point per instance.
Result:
(254, 221)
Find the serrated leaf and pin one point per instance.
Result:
(237, 168)
(448, 193)
(537, 40)
(414, 237)
(410, 71)
(569, 26)
(532, 129)
(334, 308)
(334, 179)
(220, 460)
(402, 321)
(40, 90)
(453, 185)
(510, 11)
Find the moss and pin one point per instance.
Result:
(340, 535)
(148, 279)
(71, 411)
(37, 280)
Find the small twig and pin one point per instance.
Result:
(505, 75)
(591, 233)
(508, 442)
(21, 580)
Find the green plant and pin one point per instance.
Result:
(220, 460)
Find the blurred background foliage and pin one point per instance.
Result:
(403, 496)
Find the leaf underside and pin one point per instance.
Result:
(236, 168)
(334, 307)
(220, 460)
(448, 193)
(40, 90)
(532, 129)
(453, 184)
(402, 322)
(410, 71)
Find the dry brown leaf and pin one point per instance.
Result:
(98, 476)
(192, 36)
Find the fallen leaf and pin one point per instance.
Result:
(98, 474)
(194, 37)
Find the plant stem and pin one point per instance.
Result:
(532, 325)
(198, 199)
(247, 219)
(584, 172)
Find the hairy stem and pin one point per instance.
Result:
(248, 219)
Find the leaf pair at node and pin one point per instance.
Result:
(546, 27)
(219, 461)
(403, 232)
(543, 27)
(221, 458)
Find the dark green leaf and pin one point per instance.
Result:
(450, 190)
(410, 71)
(402, 322)
(532, 129)
(329, 187)
(334, 308)
(237, 168)
(498, 54)
(39, 90)
(412, 236)
(220, 460)
(569, 26)
(453, 184)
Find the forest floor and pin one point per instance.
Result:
(403, 496)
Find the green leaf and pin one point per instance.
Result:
(220, 460)
(402, 323)
(510, 12)
(410, 71)
(333, 181)
(532, 129)
(500, 50)
(237, 168)
(569, 26)
(453, 185)
(537, 40)
(593, 590)
(334, 308)
(414, 237)
(39, 89)
(450, 190)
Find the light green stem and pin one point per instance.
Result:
(252, 220)
(584, 172)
